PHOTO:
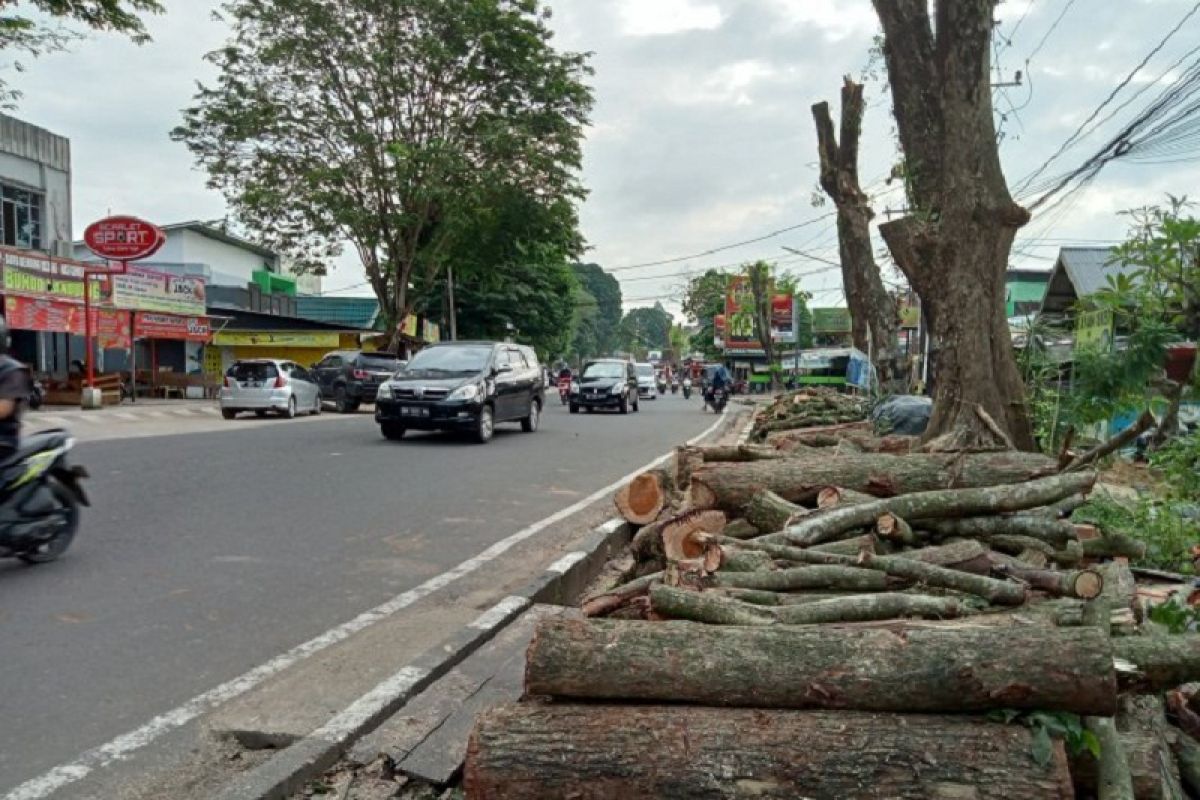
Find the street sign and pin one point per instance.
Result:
(123, 238)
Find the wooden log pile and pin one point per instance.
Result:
(826, 622)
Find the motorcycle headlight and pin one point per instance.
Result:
(468, 392)
(385, 392)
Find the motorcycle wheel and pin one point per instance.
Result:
(55, 547)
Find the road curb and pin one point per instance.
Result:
(560, 583)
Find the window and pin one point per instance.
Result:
(257, 371)
(502, 359)
(20, 218)
(333, 362)
(517, 359)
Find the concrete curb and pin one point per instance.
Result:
(560, 584)
(562, 581)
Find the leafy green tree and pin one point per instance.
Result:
(600, 332)
(703, 300)
(33, 36)
(756, 308)
(388, 124)
(645, 329)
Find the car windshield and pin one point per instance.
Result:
(450, 360)
(381, 362)
(645, 371)
(604, 369)
(253, 371)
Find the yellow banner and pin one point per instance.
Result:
(409, 328)
(273, 339)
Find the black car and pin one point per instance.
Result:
(605, 383)
(463, 386)
(351, 377)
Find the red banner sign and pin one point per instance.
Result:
(123, 238)
(30, 314)
(171, 326)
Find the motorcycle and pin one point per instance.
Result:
(674, 387)
(564, 390)
(717, 399)
(37, 396)
(687, 388)
(40, 499)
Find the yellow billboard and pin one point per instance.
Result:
(276, 339)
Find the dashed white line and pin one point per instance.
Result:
(125, 745)
(499, 612)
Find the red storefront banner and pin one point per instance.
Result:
(53, 316)
(147, 325)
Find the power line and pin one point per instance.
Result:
(1051, 30)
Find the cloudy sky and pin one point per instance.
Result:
(701, 136)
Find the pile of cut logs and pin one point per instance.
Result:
(808, 618)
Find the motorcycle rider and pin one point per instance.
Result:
(16, 385)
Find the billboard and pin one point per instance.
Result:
(736, 328)
(831, 320)
(143, 289)
(55, 316)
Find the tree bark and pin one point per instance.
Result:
(821, 576)
(964, 556)
(922, 670)
(1187, 754)
(737, 560)
(872, 310)
(1143, 424)
(799, 479)
(1159, 662)
(1083, 584)
(1055, 532)
(530, 751)
(1114, 781)
(738, 452)
(830, 524)
(768, 512)
(832, 496)
(714, 609)
(605, 603)
(954, 245)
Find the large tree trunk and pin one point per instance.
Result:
(800, 479)
(955, 243)
(872, 310)
(598, 752)
(1031, 668)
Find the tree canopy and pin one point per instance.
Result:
(647, 328)
(703, 300)
(389, 124)
(599, 314)
(21, 33)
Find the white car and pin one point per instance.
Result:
(647, 382)
(263, 385)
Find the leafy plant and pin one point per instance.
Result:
(1179, 463)
(1048, 726)
(1165, 526)
(1177, 617)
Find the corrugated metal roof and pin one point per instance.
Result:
(1078, 272)
(357, 312)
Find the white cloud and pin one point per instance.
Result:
(661, 17)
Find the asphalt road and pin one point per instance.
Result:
(207, 554)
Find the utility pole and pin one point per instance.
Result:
(450, 301)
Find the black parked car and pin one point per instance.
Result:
(605, 383)
(464, 386)
(350, 377)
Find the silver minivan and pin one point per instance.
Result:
(263, 385)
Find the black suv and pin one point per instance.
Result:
(464, 386)
(351, 377)
(605, 383)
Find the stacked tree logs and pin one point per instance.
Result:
(814, 621)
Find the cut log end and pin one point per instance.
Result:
(1087, 584)
(641, 500)
(686, 537)
(700, 497)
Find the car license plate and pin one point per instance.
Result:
(414, 411)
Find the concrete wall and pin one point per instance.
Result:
(34, 158)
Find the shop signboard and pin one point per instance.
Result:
(36, 275)
(1094, 331)
(276, 339)
(831, 320)
(783, 318)
(719, 330)
(55, 316)
(432, 331)
(142, 289)
(148, 325)
(910, 313)
(739, 325)
(409, 326)
(123, 238)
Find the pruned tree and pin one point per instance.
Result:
(954, 244)
(762, 292)
(872, 309)
(388, 124)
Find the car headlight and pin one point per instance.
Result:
(617, 388)
(385, 392)
(574, 387)
(468, 392)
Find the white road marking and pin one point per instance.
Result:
(499, 612)
(125, 745)
(341, 725)
(123, 415)
(566, 562)
(156, 413)
(48, 420)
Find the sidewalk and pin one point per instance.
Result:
(129, 412)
